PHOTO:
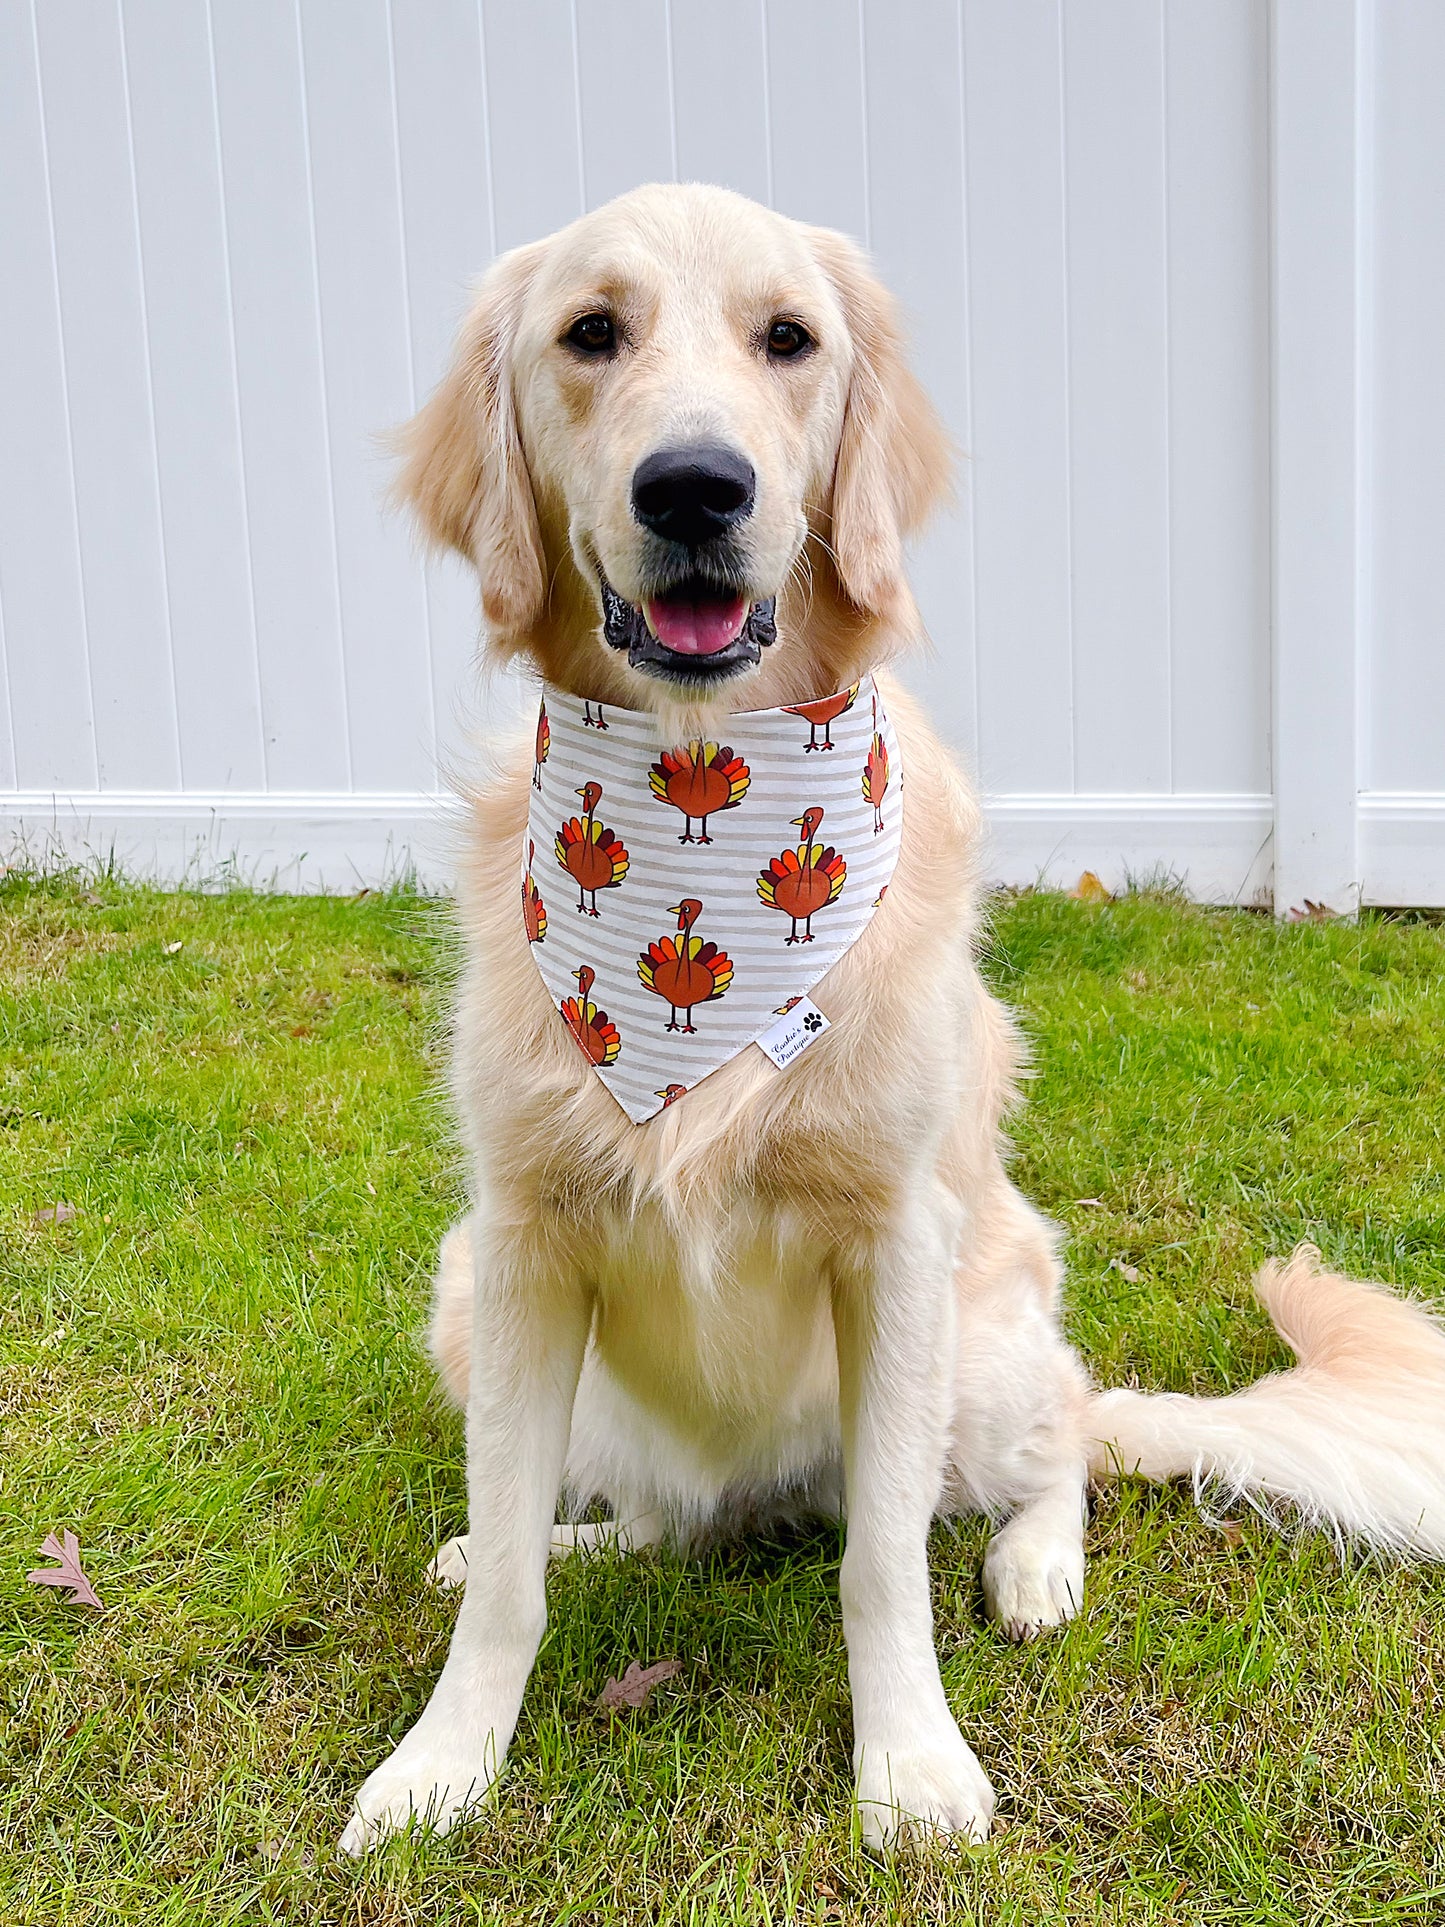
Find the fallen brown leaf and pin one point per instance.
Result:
(1089, 889)
(56, 1213)
(635, 1685)
(1311, 913)
(68, 1573)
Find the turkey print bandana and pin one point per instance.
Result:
(680, 899)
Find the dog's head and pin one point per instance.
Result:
(681, 444)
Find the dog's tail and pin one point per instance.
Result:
(1353, 1436)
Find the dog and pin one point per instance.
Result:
(681, 444)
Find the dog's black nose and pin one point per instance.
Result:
(691, 494)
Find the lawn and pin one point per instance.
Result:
(212, 1373)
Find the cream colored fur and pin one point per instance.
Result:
(815, 1290)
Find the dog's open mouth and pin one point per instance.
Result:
(693, 632)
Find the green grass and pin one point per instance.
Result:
(213, 1375)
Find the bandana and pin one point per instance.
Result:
(681, 899)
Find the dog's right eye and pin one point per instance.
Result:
(592, 334)
(787, 340)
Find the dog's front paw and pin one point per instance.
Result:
(434, 1778)
(927, 1784)
(1032, 1578)
(449, 1568)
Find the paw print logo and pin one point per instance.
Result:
(813, 1022)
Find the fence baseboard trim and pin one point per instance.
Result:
(303, 841)
(1216, 846)
(1402, 847)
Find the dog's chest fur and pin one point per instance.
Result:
(723, 1331)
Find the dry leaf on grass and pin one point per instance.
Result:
(69, 1573)
(1089, 889)
(56, 1213)
(635, 1685)
(1311, 913)
(281, 1853)
(1131, 1272)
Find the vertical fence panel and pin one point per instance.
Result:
(1118, 394)
(198, 446)
(1216, 76)
(107, 370)
(445, 167)
(41, 583)
(625, 89)
(915, 143)
(1317, 552)
(531, 60)
(268, 212)
(815, 93)
(1404, 739)
(720, 94)
(363, 313)
(1019, 470)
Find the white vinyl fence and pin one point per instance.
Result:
(1176, 270)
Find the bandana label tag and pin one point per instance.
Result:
(793, 1032)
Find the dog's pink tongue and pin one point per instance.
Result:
(697, 628)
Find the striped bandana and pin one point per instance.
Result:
(680, 901)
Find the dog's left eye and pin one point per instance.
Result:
(592, 334)
(787, 339)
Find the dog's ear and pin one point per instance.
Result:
(464, 474)
(894, 459)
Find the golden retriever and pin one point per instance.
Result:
(682, 447)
